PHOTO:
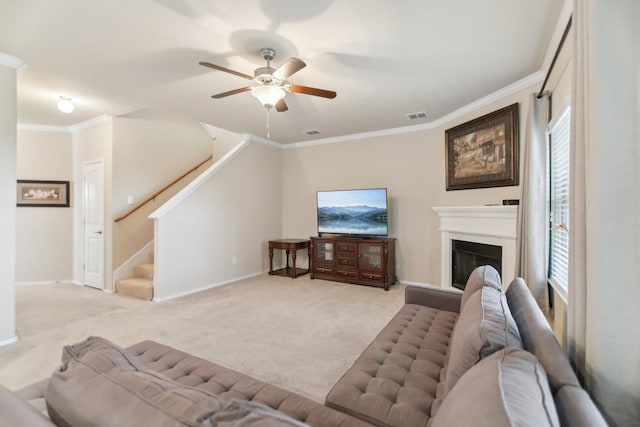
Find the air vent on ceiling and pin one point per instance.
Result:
(311, 131)
(418, 115)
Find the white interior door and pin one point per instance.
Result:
(93, 203)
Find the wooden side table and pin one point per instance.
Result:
(289, 245)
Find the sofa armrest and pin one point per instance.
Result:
(15, 411)
(576, 409)
(34, 394)
(441, 299)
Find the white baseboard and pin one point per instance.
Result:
(204, 288)
(45, 282)
(406, 282)
(8, 341)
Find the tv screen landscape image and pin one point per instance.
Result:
(353, 212)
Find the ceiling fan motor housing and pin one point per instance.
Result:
(264, 75)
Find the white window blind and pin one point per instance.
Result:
(559, 202)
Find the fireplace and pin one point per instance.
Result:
(465, 256)
(484, 225)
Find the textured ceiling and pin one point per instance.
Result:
(383, 58)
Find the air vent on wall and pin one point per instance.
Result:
(311, 132)
(418, 115)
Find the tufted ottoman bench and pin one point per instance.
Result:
(397, 381)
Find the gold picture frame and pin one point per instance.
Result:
(483, 152)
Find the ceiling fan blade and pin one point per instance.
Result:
(231, 92)
(311, 91)
(290, 67)
(281, 106)
(226, 70)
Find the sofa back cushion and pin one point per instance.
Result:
(508, 388)
(485, 326)
(537, 336)
(485, 275)
(102, 384)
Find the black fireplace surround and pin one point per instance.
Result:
(466, 256)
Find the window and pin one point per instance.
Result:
(558, 187)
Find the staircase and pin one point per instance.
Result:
(141, 285)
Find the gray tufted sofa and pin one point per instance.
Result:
(483, 357)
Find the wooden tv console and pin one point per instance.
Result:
(360, 260)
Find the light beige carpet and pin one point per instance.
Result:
(299, 334)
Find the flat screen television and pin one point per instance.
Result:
(353, 212)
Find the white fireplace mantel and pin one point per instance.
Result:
(491, 225)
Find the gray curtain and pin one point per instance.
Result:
(533, 224)
(603, 313)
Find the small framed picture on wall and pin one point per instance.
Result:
(36, 193)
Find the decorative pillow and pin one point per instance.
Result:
(485, 275)
(485, 326)
(242, 413)
(102, 384)
(508, 388)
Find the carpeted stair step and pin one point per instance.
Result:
(136, 287)
(144, 271)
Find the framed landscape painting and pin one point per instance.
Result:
(43, 193)
(483, 152)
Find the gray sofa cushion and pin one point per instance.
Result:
(102, 384)
(484, 327)
(508, 388)
(485, 275)
(396, 380)
(229, 384)
(537, 336)
(242, 413)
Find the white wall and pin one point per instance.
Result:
(44, 236)
(7, 203)
(234, 213)
(150, 149)
(411, 166)
(90, 144)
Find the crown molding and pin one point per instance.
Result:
(496, 96)
(11, 61)
(43, 128)
(261, 140)
(96, 121)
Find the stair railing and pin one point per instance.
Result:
(162, 190)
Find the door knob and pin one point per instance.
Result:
(99, 232)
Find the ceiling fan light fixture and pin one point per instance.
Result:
(65, 105)
(268, 95)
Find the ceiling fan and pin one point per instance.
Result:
(272, 85)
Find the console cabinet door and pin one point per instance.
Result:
(371, 256)
(323, 258)
(324, 252)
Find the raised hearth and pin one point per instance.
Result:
(489, 225)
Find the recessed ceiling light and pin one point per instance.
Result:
(311, 131)
(65, 105)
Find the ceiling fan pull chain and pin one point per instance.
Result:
(268, 127)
